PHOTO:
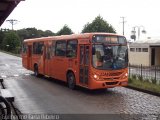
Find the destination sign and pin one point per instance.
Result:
(109, 39)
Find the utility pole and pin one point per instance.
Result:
(123, 23)
(13, 22)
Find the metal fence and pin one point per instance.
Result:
(150, 73)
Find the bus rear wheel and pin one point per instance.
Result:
(71, 80)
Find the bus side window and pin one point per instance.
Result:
(61, 48)
(72, 48)
(38, 47)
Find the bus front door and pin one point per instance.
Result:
(83, 66)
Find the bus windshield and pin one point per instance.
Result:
(108, 57)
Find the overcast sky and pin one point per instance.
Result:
(53, 14)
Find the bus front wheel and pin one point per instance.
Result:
(71, 80)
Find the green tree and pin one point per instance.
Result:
(48, 33)
(11, 42)
(98, 25)
(22, 33)
(65, 31)
(33, 33)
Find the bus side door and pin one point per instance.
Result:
(84, 64)
(47, 66)
(29, 57)
(41, 64)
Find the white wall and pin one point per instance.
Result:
(137, 58)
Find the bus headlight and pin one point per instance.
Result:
(95, 76)
(126, 74)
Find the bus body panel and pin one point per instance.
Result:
(59, 67)
(47, 67)
(24, 61)
(36, 61)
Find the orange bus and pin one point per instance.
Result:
(90, 60)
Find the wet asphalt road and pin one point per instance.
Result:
(47, 96)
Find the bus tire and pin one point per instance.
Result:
(36, 73)
(71, 80)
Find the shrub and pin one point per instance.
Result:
(130, 80)
(134, 76)
(140, 78)
(147, 80)
(153, 80)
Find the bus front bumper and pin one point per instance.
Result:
(108, 84)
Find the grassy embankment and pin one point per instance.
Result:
(145, 84)
(18, 55)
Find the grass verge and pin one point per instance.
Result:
(144, 84)
(18, 55)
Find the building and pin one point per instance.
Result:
(145, 52)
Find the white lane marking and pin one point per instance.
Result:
(27, 74)
(7, 65)
(15, 75)
(21, 69)
(3, 76)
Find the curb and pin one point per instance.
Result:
(143, 90)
